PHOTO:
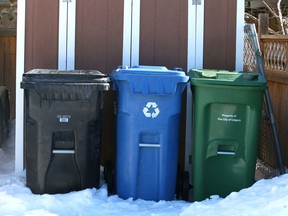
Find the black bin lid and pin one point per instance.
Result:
(64, 76)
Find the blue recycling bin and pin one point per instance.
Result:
(148, 121)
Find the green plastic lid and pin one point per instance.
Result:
(224, 77)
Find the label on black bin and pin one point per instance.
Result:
(63, 118)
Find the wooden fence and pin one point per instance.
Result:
(8, 21)
(275, 57)
(8, 67)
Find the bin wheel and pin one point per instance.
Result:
(109, 177)
(185, 186)
(182, 186)
(179, 180)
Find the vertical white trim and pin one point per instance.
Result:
(71, 32)
(240, 22)
(20, 64)
(66, 35)
(135, 32)
(127, 28)
(195, 46)
(191, 59)
(62, 35)
(195, 35)
(191, 63)
(199, 43)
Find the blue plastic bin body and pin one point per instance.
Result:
(148, 119)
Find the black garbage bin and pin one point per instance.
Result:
(63, 113)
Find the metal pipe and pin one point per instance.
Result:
(251, 30)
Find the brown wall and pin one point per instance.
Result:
(99, 34)
(220, 34)
(163, 33)
(41, 39)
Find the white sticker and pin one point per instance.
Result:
(229, 118)
(63, 118)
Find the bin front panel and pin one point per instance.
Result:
(63, 143)
(226, 128)
(147, 146)
(148, 118)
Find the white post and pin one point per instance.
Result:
(135, 32)
(240, 22)
(71, 32)
(194, 60)
(66, 35)
(195, 35)
(127, 28)
(199, 42)
(62, 35)
(20, 64)
(191, 59)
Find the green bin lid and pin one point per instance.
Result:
(224, 77)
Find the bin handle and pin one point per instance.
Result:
(226, 149)
(63, 151)
(153, 145)
(225, 153)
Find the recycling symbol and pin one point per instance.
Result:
(151, 110)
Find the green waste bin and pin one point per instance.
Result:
(227, 110)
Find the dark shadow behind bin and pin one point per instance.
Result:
(226, 125)
(63, 123)
(4, 114)
(148, 123)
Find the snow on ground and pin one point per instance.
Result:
(265, 197)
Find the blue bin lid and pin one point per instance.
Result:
(150, 79)
(149, 71)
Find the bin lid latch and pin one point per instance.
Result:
(251, 75)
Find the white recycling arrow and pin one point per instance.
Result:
(151, 110)
(146, 112)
